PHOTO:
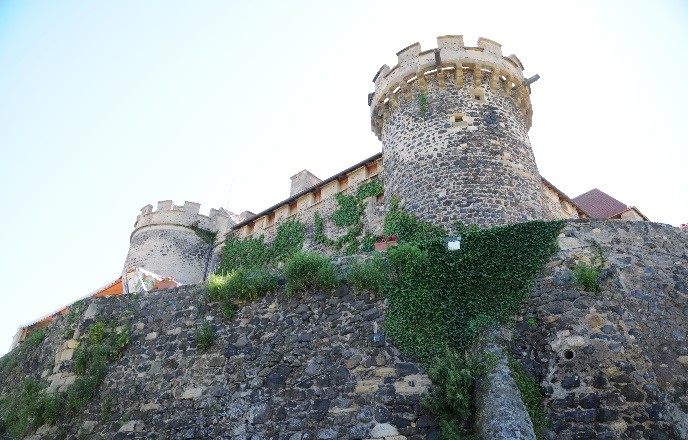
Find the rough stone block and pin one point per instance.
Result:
(367, 386)
(384, 372)
(192, 393)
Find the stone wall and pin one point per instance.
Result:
(300, 368)
(613, 363)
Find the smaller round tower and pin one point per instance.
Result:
(454, 123)
(176, 240)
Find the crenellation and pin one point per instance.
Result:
(415, 67)
(165, 205)
(490, 46)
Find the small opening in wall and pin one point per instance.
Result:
(292, 208)
(568, 354)
(249, 228)
(371, 169)
(316, 196)
(271, 219)
(343, 182)
(458, 117)
(477, 97)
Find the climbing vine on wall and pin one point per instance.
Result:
(254, 252)
(441, 300)
(349, 214)
(204, 234)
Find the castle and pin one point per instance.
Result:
(453, 122)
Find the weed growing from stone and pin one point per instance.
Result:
(422, 101)
(205, 336)
(588, 274)
(531, 396)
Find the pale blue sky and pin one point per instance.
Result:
(108, 106)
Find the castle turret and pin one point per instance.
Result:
(454, 123)
(176, 240)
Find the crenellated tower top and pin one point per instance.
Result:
(167, 213)
(450, 56)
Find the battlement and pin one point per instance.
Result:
(445, 62)
(167, 213)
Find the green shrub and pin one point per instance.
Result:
(451, 400)
(242, 284)
(587, 276)
(205, 336)
(407, 259)
(306, 269)
(215, 287)
(368, 275)
(34, 338)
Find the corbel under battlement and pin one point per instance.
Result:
(167, 213)
(445, 62)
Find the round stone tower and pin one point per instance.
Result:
(454, 123)
(176, 240)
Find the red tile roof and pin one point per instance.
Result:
(599, 204)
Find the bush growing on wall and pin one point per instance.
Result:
(307, 270)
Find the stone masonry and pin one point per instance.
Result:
(453, 123)
(613, 364)
(282, 368)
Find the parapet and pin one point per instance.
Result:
(167, 213)
(450, 57)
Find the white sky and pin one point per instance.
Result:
(108, 106)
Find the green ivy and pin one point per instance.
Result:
(442, 300)
(254, 252)
(349, 213)
(205, 234)
(422, 100)
(319, 233)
